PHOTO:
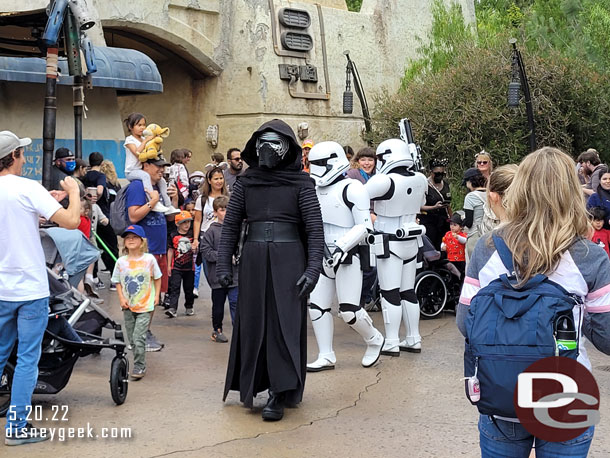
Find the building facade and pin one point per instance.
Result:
(229, 66)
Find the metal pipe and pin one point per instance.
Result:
(49, 117)
(73, 53)
(526, 92)
(77, 103)
(528, 103)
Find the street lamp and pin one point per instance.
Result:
(519, 79)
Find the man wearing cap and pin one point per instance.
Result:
(236, 167)
(306, 147)
(64, 165)
(24, 288)
(139, 210)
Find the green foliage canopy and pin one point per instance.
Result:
(455, 92)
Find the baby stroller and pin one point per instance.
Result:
(74, 330)
(437, 284)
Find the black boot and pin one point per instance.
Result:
(274, 410)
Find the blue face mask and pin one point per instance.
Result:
(69, 166)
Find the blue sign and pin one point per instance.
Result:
(112, 150)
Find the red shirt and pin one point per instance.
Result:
(455, 250)
(85, 226)
(602, 238)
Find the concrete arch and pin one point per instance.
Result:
(191, 46)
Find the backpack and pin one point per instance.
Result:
(508, 328)
(118, 212)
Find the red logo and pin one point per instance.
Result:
(557, 399)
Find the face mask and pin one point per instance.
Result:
(271, 149)
(69, 166)
(438, 177)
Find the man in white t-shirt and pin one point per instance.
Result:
(24, 288)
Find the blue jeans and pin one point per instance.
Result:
(197, 275)
(516, 442)
(25, 321)
(201, 268)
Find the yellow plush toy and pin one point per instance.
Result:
(153, 147)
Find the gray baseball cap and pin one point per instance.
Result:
(9, 142)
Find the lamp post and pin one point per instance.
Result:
(518, 80)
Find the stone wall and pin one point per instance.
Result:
(220, 66)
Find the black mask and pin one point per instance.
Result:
(438, 177)
(271, 149)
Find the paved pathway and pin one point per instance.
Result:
(412, 406)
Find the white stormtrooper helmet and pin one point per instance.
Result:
(393, 153)
(327, 161)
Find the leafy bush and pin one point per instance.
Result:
(455, 91)
(463, 109)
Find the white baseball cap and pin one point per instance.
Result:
(9, 142)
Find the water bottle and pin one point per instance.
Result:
(565, 333)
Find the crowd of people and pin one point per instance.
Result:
(180, 224)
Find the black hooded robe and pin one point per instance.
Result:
(269, 341)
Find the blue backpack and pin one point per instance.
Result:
(508, 328)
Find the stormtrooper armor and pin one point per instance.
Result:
(398, 194)
(346, 217)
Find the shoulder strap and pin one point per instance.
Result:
(505, 255)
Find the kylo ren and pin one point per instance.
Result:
(280, 263)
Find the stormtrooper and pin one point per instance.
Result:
(398, 193)
(346, 216)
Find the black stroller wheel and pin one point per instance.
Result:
(6, 383)
(119, 379)
(431, 293)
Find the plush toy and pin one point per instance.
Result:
(153, 147)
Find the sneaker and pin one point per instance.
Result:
(171, 313)
(99, 284)
(165, 303)
(112, 287)
(138, 372)
(159, 207)
(26, 435)
(195, 292)
(90, 290)
(171, 211)
(152, 344)
(96, 300)
(218, 336)
(189, 312)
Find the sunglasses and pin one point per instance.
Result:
(482, 162)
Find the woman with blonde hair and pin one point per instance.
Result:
(546, 231)
(112, 180)
(483, 162)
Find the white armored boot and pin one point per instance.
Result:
(322, 323)
(362, 323)
(392, 315)
(410, 313)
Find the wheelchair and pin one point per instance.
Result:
(437, 284)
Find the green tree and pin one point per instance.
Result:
(459, 111)
(353, 5)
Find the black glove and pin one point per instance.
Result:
(306, 285)
(225, 280)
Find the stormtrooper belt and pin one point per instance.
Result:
(272, 231)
